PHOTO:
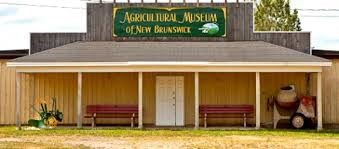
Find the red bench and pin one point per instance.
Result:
(226, 111)
(111, 111)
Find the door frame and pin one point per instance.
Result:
(175, 111)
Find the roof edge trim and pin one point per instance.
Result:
(161, 63)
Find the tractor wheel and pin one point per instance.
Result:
(298, 121)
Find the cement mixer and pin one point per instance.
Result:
(304, 106)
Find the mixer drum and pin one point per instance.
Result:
(287, 98)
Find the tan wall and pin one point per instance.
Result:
(270, 86)
(109, 88)
(239, 88)
(63, 86)
(7, 94)
(330, 78)
(227, 88)
(121, 88)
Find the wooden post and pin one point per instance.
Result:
(140, 78)
(31, 93)
(196, 99)
(18, 101)
(79, 122)
(319, 102)
(308, 84)
(257, 100)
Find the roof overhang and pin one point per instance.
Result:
(173, 67)
(100, 64)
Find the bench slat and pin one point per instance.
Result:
(111, 116)
(240, 105)
(112, 109)
(226, 109)
(240, 112)
(225, 116)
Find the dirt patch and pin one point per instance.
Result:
(175, 142)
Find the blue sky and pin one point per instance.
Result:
(16, 22)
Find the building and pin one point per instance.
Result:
(146, 58)
(330, 86)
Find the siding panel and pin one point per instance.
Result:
(300, 41)
(44, 41)
(330, 88)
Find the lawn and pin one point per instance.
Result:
(161, 138)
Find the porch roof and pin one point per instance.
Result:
(230, 53)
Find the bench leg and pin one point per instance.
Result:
(132, 120)
(245, 118)
(275, 123)
(93, 122)
(205, 120)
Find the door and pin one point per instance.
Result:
(170, 101)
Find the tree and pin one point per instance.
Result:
(275, 15)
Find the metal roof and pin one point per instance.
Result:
(329, 54)
(13, 53)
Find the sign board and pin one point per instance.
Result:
(169, 22)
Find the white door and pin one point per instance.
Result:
(170, 101)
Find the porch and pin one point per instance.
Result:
(126, 73)
(74, 90)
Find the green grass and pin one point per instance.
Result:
(188, 138)
(125, 132)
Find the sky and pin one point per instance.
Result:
(16, 22)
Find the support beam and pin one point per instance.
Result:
(79, 96)
(140, 78)
(18, 101)
(31, 93)
(319, 102)
(196, 99)
(257, 100)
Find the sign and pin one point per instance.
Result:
(169, 22)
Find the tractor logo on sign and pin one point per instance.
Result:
(209, 28)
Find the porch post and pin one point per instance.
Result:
(79, 123)
(257, 100)
(18, 101)
(319, 102)
(196, 99)
(140, 78)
